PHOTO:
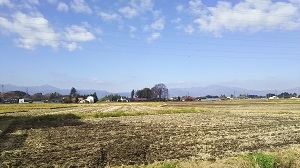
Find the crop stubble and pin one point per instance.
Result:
(145, 139)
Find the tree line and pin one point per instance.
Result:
(159, 92)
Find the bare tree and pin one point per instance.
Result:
(160, 91)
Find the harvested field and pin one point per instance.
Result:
(226, 129)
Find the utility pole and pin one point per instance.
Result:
(2, 93)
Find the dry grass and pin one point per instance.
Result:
(185, 134)
(16, 108)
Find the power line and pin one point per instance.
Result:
(182, 42)
(201, 56)
(199, 51)
(188, 42)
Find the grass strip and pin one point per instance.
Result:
(159, 112)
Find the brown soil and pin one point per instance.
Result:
(145, 139)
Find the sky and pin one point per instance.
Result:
(120, 45)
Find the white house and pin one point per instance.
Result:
(122, 99)
(273, 97)
(90, 99)
(21, 101)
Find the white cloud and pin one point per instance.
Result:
(80, 6)
(158, 24)
(176, 21)
(156, 14)
(62, 7)
(189, 29)
(128, 12)
(32, 31)
(196, 7)
(142, 5)
(179, 8)
(108, 17)
(132, 29)
(136, 7)
(71, 46)
(78, 33)
(146, 5)
(146, 28)
(52, 1)
(248, 15)
(295, 2)
(95, 81)
(153, 36)
(33, 2)
(6, 3)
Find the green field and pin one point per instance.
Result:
(238, 133)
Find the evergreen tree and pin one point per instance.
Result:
(132, 93)
(73, 92)
(95, 97)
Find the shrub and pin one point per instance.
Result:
(263, 160)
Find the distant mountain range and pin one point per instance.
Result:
(214, 90)
(224, 90)
(44, 89)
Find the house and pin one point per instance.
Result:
(273, 97)
(55, 100)
(122, 99)
(21, 101)
(81, 100)
(188, 98)
(77, 100)
(90, 99)
(14, 100)
(270, 95)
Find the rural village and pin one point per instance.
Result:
(157, 93)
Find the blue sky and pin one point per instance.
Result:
(120, 45)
